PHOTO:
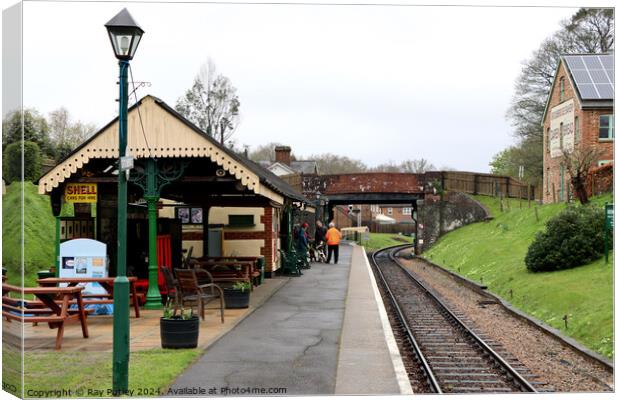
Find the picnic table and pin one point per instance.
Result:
(228, 269)
(107, 283)
(52, 312)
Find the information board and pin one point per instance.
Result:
(83, 258)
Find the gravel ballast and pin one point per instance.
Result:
(561, 366)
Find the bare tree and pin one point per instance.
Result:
(578, 164)
(65, 134)
(211, 103)
(416, 166)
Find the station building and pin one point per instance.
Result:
(578, 115)
(206, 197)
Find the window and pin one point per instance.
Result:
(389, 211)
(548, 181)
(603, 162)
(577, 130)
(562, 89)
(241, 220)
(562, 135)
(606, 127)
(406, 210)
(548, 140)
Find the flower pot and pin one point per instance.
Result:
(177, 333)
(235, 298)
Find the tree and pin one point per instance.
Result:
(211, 103)
(526, 154)
(416, 166)
(578, 163)
(12, 161)
(265, 152)
(329, 163)
(35, 129)
(65, 134)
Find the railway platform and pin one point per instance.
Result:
(323, 333)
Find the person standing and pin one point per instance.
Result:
(319, 233)
(332, 237)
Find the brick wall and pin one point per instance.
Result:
(589, 136)
(600, 180)
(374, 182)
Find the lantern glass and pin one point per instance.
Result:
(125, 41)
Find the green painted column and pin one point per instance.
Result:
(120, 332)
(57, 247)
(289, 230)
(151, 195)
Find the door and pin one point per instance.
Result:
(214, 242)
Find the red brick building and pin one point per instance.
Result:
(578, 114)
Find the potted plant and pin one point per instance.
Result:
(178, 331)
(237, 296)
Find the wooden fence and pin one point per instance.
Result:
(485, 184)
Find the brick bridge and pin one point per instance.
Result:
(366, 188)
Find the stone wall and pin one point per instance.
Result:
(439, 217)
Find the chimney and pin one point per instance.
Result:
(283, 155)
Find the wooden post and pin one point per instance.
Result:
(536, 214)
(501, 202)
(529, 196)
(553, 191)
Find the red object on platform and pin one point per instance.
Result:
(164, 258)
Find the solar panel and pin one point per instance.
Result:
(605, 90)
(593, 75)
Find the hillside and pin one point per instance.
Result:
(494, 252)
(39, 227)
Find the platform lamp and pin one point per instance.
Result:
(125, 35)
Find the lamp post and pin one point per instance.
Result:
(125, 35)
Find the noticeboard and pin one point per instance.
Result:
(83, 258)
(609, 216)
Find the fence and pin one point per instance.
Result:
(405, 229)
(486, 184)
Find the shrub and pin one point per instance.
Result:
(573, 237)
(12, 162)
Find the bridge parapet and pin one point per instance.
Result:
(373, 182)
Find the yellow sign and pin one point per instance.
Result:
(81, 193)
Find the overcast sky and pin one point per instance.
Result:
(376, 83)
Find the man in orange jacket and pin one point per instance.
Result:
(332, 237)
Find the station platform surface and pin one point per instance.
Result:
(321, 333)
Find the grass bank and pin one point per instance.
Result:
(377, 241)
(493, 252)
(89, 374)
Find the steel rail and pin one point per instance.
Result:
(432, 380)
(516, 376)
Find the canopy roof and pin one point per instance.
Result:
(158, 131)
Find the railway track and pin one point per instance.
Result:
(453, 359)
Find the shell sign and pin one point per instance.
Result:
(81, 193)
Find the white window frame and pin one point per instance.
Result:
(390, 211)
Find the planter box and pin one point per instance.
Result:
(235, 298)
(179, 333)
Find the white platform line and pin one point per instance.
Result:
(397, 362)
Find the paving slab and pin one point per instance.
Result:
(289, 346)
(367, 347)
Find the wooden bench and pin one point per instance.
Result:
(52, 307)
(106, 283)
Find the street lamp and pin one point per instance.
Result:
(125, 35)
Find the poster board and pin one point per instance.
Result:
(85, 258)
(561, 129)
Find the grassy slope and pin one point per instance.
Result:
(379, 240)
(494, 252)
(39, 225)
